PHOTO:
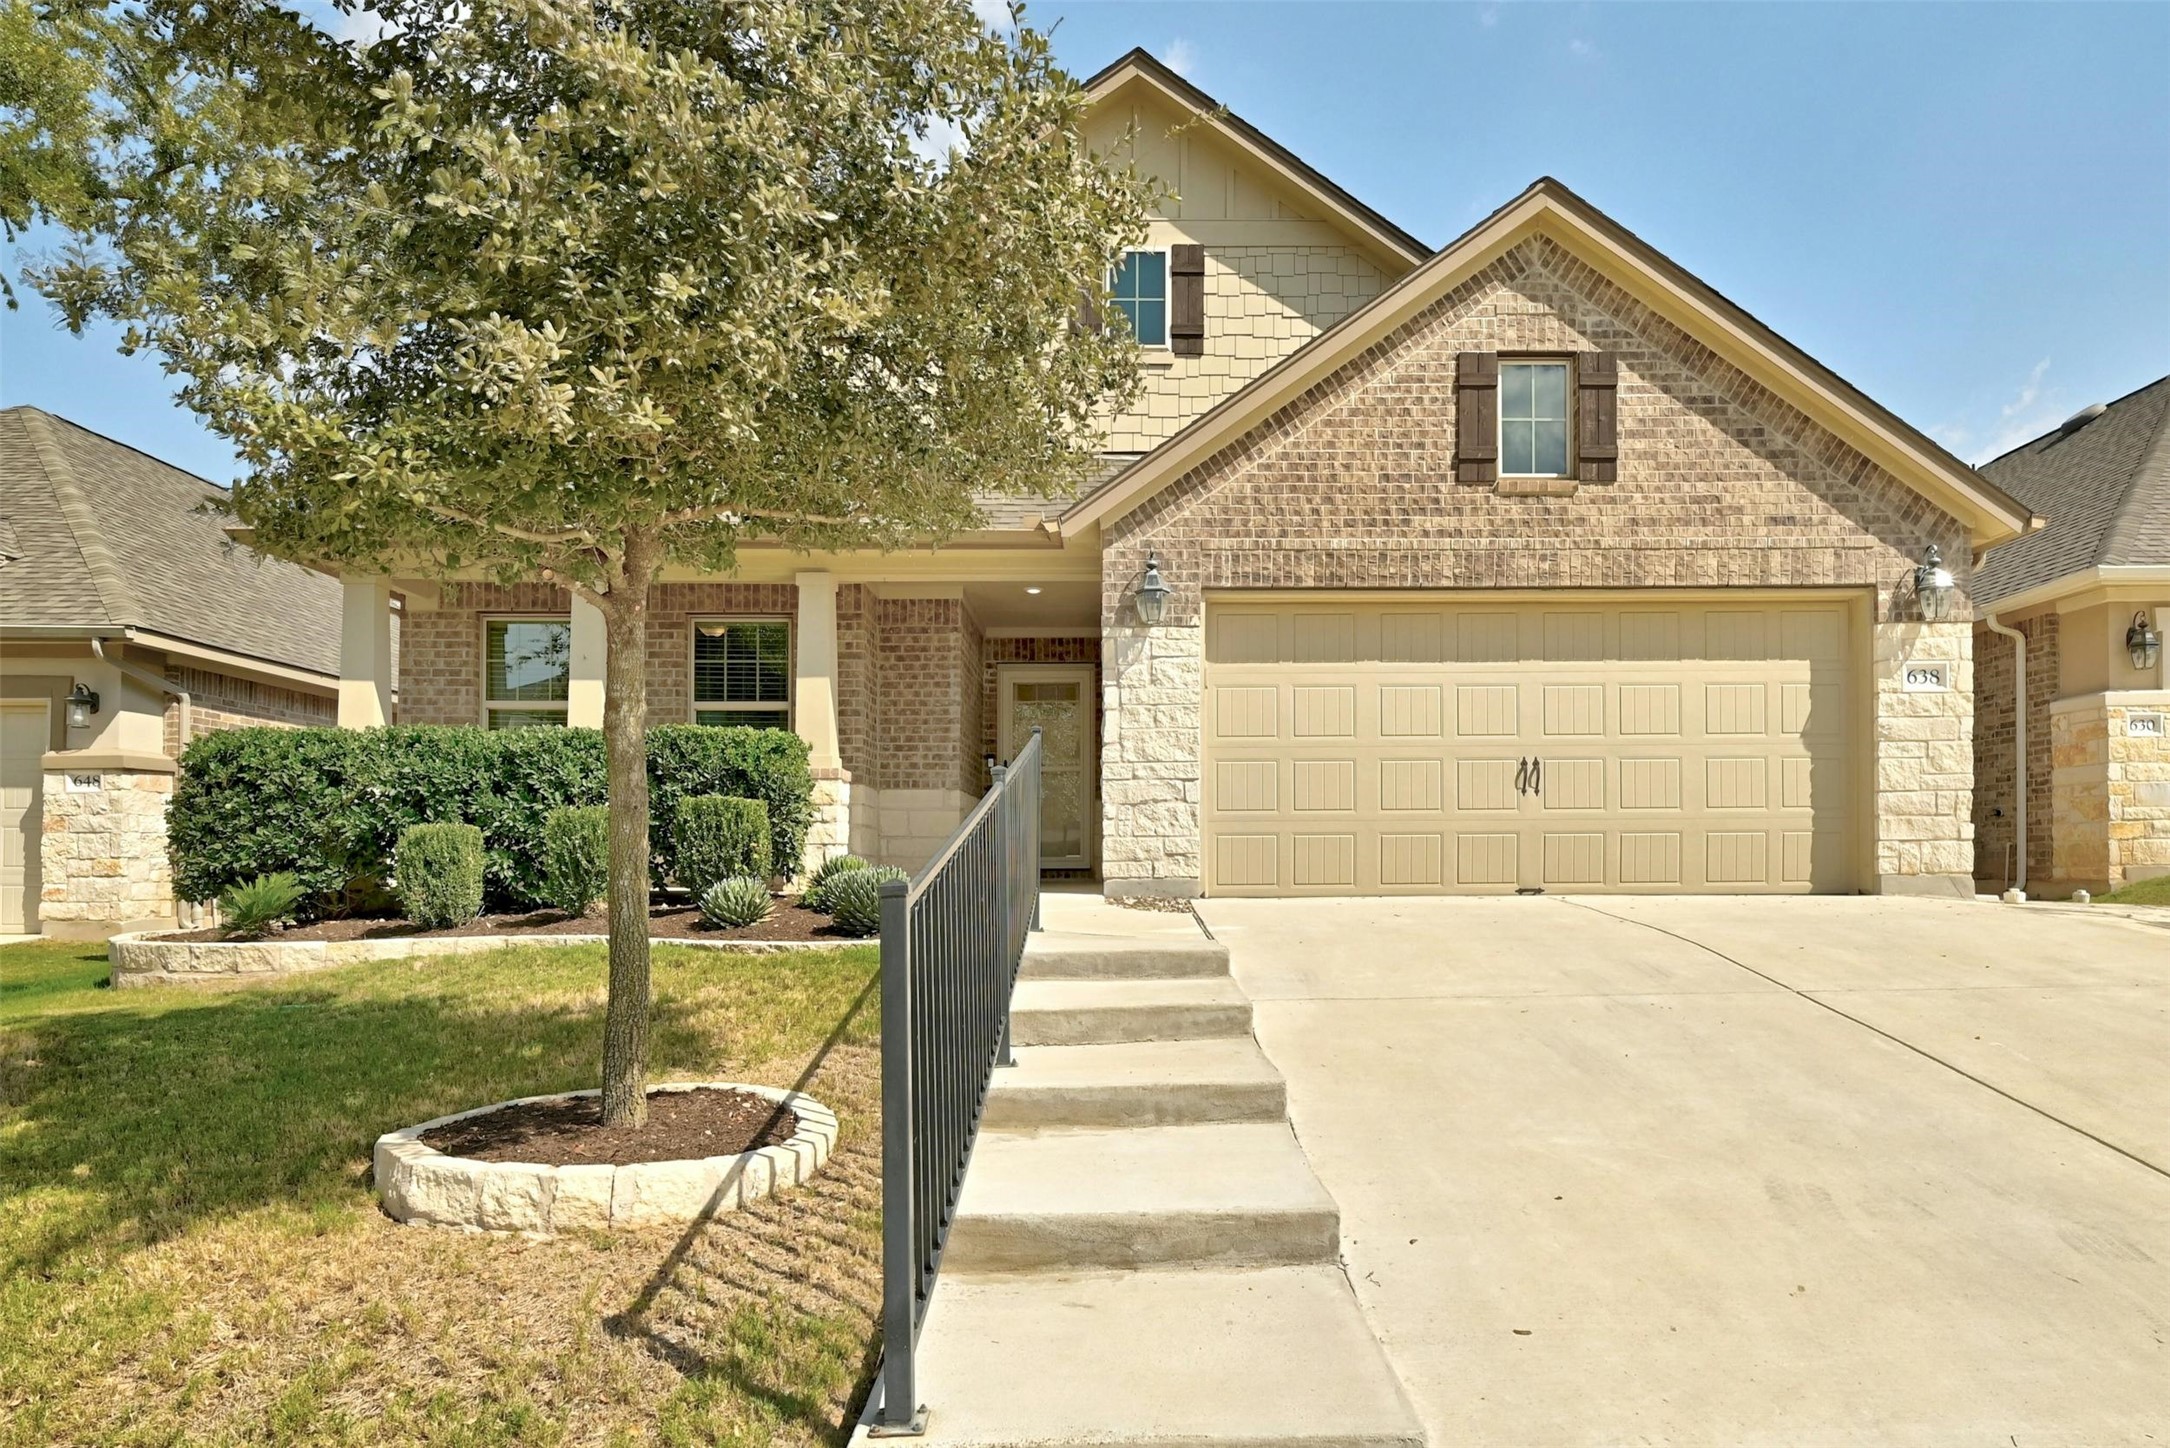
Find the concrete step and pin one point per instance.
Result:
(1103, 1012)
(1272, 1358)
(1144, 1083)
(1054, 955)
(1228, 1195)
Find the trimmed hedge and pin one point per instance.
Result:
(715, 837)
(439, 870)
(576, 846)
(328, 805)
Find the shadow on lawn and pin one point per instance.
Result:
(147, 1118)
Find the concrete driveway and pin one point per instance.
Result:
(1780, 1171)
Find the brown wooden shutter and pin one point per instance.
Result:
(1187, 300)
(1597, 437)
(1476, 417)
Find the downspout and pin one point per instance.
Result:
(2019, 744)
(163, 686)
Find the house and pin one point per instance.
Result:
(129, 622)
(2071, 619)
(1529, 563)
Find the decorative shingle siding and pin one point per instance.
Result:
(1995, 823)
(1262, 303)
(1721, 483)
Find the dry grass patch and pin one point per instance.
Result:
(191, 1252)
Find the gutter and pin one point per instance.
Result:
(163, 686)
(2018, 892)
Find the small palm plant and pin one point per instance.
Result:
(740, 900)
(251, 910)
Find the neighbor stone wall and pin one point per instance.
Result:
(2110, 790)
(1721, 484)
(1262, 303)
(1995, 766)
(102, 857)
(2138, 789)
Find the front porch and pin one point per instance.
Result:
(907, 690)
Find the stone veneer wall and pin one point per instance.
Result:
(102, 856)
(1995, 821)
(1721, 484)
(2110, 791)
(1262, 303)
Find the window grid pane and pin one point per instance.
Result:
(1139, 290)
(742, 663)
(528, 660)
(1533, 418)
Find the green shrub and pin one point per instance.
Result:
(576, 857)
(438, 869)
(328, 805)
(715, 837)
(740, 900)
(855, 899)
(817, 888)
(263, 902)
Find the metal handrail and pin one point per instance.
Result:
(953, 936)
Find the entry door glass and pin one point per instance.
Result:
(1059, 709)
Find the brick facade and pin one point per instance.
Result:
(1995, 823)
(1721, 483)
(222, 701)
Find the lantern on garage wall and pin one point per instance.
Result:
(1153, 591)
(2144, 643)
(1933, 586)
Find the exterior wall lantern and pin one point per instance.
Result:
(1933, 586)
(2143, 643)
(1153, 591)
(82, 703)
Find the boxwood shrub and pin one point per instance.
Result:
(328, 805)
(715, 837)
(438, 869)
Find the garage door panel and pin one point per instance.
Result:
(1371, 745)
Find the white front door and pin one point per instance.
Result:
(24, 737)
(1059, 699)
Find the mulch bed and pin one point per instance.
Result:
(682, 1126)
(788, 921)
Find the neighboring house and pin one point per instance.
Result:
(2090, 593)
(1529, 563)
(128, 622)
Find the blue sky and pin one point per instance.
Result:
(1964, 210)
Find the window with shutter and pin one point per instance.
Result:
(1476, 417)
(1139, 291)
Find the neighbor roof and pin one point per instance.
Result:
(1141, 64)
(107, 537)
(1548, 208)
(2103, 484)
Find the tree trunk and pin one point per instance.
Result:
(625, 753)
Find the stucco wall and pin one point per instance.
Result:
(1720, 484)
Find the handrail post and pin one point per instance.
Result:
(902, 1414)
(1032, 846)
(1005, 889)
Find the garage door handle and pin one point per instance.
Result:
(1522, 776)
(1537, 776)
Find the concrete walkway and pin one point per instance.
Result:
(1141, 1255)
(1795, 1171)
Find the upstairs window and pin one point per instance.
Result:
(1533, 419)
(528, 662)
(1139, 290)
(742, 674)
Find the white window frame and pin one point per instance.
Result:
(491, 706)
(696, 706)
(1167, 298)
(1568, 407)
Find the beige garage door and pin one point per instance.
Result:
(23, 731)
(1368, 746)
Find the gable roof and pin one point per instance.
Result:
(105, 536)
(1549, 209)
(1141, 66)
(2105, 488)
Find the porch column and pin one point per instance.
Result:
(584, 688)
(814, 670)
(365, 653)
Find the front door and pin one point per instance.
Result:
(1058, 698)
(24, 728)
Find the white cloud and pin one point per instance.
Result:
(2034, 408)
(1182, 56)
(942, 136)
(1582, 49)
(1488, 16)
(994, 14)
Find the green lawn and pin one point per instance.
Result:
(2140, 892)
(190, 1253)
